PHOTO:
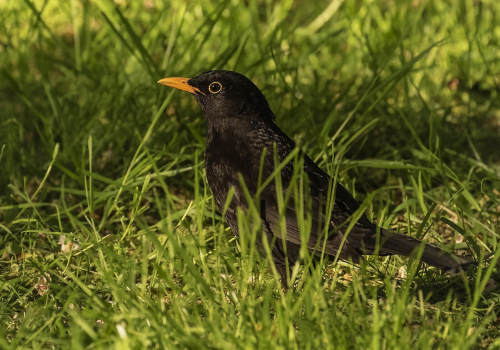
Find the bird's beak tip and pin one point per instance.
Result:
(181, 84)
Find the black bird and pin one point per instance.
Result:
(240, 126)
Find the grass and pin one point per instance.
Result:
(109, 233)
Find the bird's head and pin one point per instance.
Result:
(224, 94)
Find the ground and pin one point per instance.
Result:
(109, 233)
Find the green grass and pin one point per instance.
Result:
(399, 99)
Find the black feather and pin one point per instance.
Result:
(241, 126)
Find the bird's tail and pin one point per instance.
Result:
(396, 243)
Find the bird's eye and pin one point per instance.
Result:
(215, 87)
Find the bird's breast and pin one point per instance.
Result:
(228, 156)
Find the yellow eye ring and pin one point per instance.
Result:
(215, 87)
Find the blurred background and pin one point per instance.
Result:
(71, 69)
(400, 96)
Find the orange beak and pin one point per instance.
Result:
(181, 84)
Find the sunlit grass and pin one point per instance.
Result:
(109, 233)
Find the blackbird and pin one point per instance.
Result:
(242, 140)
